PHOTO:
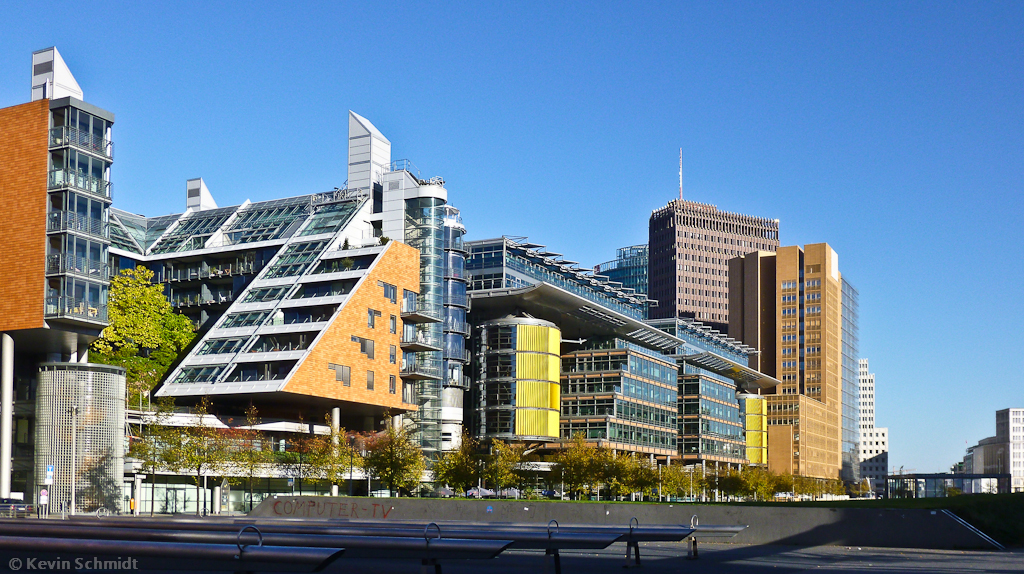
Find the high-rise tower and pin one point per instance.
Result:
(788, 305)
(690, 247)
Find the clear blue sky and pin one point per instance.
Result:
(892, 131)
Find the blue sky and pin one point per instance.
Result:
(892, 131)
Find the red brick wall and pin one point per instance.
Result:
(23, 154)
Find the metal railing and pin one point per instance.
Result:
(78, 181)
(213, 299)
(67, 263)
(63, 136)
(427, 368)
(68, 221)
(420, 337)
(78, 308)
(414, 307)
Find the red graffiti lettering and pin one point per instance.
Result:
(385, 512)
(354, 511)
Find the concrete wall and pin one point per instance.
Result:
(793, 525)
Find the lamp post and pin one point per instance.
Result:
(351, 461)
(74, 456)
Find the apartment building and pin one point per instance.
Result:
(873, 440)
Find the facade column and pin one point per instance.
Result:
(6, 412)
(335, 429)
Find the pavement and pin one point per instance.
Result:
(723, 559)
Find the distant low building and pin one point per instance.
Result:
(1003, 453)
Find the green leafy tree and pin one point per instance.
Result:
(144, 334)
(150, 448)
(198, 448)
(459, 468)
(249, 450)
(639, 476)
(331, 456)
(393, 458)
(682, 481)
(758, 483)
(503, 468)
(578, 464)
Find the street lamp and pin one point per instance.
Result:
(74, 455)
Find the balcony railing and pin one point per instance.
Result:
(75, 308)
(78, 181)
(67, 263)
(212, 299)
(419, 341)
(414, 368)
(414, 311)
(68, 221)
(64, 136)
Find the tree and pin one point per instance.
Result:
(330, 456)
(394, 459)
(151, 448)
(249, 449)
(144, 334)
(578, 464)
(639, 475)
(682, 481)
(458, 468)
(504, 466)
(758, 483)
(197, 448)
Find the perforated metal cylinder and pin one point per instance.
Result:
(86, 402)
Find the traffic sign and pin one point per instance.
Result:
(44, 497)
(49, 475)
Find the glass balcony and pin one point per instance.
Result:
(78, 181)
(415, 366)
(74, 137)
(68, 221)
(68, 307)
(415, 340)
(416, 311)
(67, 263)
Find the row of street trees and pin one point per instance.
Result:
(242, 453)
(582, 467)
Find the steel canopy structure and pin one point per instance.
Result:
(746, 379)
(577, 316)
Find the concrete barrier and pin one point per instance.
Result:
(801, 526)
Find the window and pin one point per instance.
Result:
(392, 386)
(365, 346)
(390, 291)
(341, 373)
(369, 380)
(371, 318)
(393, 356)
(393, 328)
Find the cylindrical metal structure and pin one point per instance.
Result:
(95, 469)
(6, 411)
(517, 386)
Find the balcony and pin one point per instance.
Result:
(419, 341)
(70, 308)
(78, 181)
(414, 311)
(416, 368)
(68, 221)
(76, 138)
(66, 263)
(209, 299)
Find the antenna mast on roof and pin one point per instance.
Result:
(680, 174)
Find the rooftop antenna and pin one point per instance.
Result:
(680, 174)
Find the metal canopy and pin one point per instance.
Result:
(577, 317)
(745, 377)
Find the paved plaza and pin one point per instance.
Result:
(726, 559)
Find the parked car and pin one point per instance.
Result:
(551, 494)
(480, 493)
(13, 507)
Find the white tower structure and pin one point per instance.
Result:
(874, 441)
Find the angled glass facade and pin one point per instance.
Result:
(851, 386)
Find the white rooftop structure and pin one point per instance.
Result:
(51, 77)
